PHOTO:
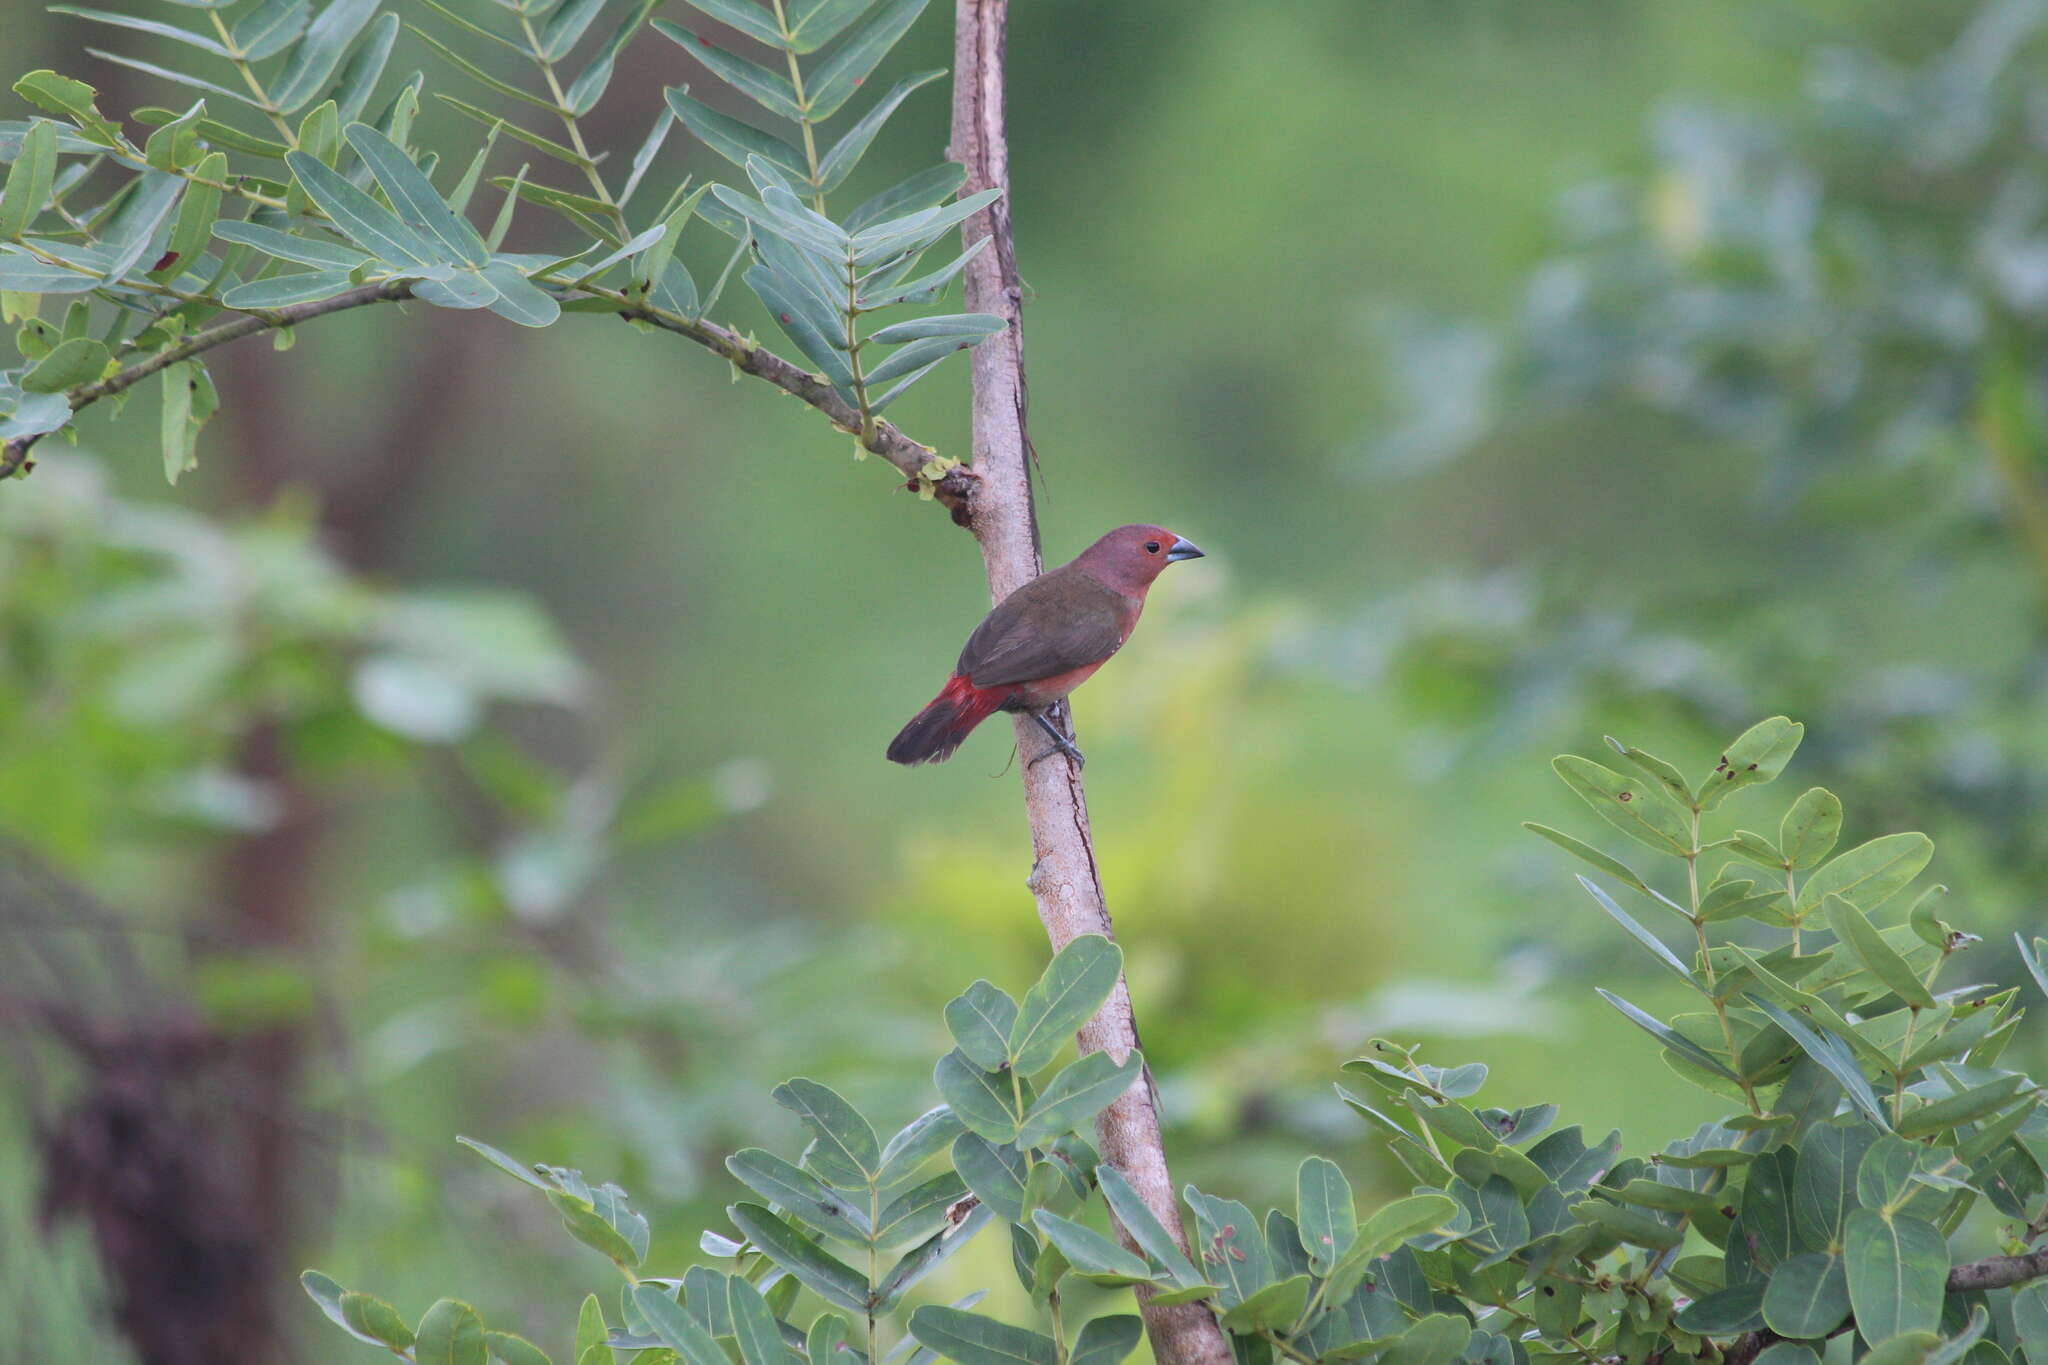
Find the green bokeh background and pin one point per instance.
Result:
(1214, 203)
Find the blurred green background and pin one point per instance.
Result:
(1309, 284)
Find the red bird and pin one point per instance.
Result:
(1043, 641)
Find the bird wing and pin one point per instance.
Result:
(1054, 624)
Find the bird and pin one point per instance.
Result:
(1043, 641)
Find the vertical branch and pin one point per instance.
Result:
(1064, 878)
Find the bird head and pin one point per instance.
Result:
(1130, 557)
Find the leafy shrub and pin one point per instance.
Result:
(1874, 1124)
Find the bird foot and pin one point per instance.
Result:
(1066, 747)
(1060, 743)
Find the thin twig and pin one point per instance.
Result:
(1064, 878)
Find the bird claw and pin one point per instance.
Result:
(1080, 759)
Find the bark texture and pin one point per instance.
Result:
(1064, 878)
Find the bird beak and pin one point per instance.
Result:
(1183, 549)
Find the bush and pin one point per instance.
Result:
(1874, 1126)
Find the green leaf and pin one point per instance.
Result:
(270, 28)
(733, 139)
(1628, 1224)
(57, 94)
(1907, 1348)
(1233, 1249)
(1073, 986)
(2032, 959)
(1143, 1227)
(1623, 803)
(799, 1193)
(1808, 1296)
(592, 1228)
(193, 227)
(78, 361)
(1879, 958)
(753, 1325)
(290, 246)
(853, 145)
(1437, 1339)
(2030, 1318)
(744, 15)
(927, 189)
(846, 1153)
(948, 325)
(362, 219)
(814, 23)
(590, 1329)
(1898, 1269)
(512, 1349)
(1810, 829)
(589, 87)
(1869, 874)
(831, 1279)
(826, 1338)
(519, 299)
(330, 1296)
(1787, 1353)
(929, 1256)
(918, 1212)
(317, 55)
(1669, 1037)
(375, 1320)
(1965, 1106)
(1668, 780)
(769, 89)
(1091, 1253)
(1106, 1341)
(149, 26)
(1077, 1094)
(450, 1333)
(365, 66)
(1824, 1183)
(1757, 756)
(1578, 848)
(1275, 1307)
(413, 196)
(983, 1101)
(972, 1339)
(1738, 1308)
(177, 431)
(1327, 1217)
(479, 75)
(980, 1020)
(566, 27)
(29, 179)
(1831, 1053)
(785, 300)
(917, 1142)
(1640, 934)
(517, 1170)
(668, 1320)
(925, 288)
(914, 231)
(855, 59)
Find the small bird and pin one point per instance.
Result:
(1043, 641)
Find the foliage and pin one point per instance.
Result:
(1874, 1121)
(305, 158)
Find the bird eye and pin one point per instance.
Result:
(1151, 547)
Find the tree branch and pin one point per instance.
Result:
(1993, 1272)
(1064, 878)
(954, 488)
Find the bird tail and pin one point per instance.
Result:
(935, 732)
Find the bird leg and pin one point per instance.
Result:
(1061, 744)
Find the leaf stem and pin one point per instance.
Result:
(574, 129)
(796, 81)
(240, 59)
